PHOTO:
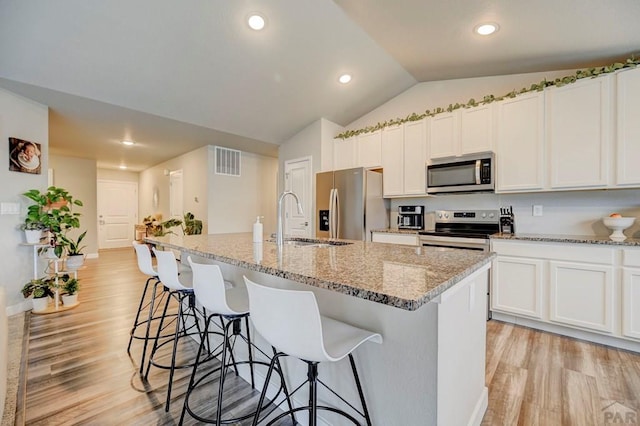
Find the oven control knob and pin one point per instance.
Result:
(446, 215)
(484, 215)
(439, 215)
(491, 215)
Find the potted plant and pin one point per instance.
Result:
(70, 292)
(41, 291)
(75, 258)
(53, 209)
(33, 230)
(191, 225)
(157, 228)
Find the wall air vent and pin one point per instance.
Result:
(227, 161)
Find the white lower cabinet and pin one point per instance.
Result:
(517, 286)
(393, 238)
(581, 295)
(631, 302)
(577, 288)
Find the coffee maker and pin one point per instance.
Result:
(410, 217)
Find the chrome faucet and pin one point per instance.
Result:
(279, 233)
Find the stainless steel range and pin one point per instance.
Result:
(464, 229)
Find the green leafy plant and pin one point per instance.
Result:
(39, 288)
(73, 246)
(157, 228)
(71, 287)
(631, 62)
(191, 225)
(53, 210)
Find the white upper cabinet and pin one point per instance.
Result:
(476, 129)
(403, 159)
(464, 131)
(578, 133)
(344, 153)
(369, 149)
(415, 151)
(520, 143)
(444, 139)
(393, 161)
(628, 128)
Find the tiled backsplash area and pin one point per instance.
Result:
(566, 213)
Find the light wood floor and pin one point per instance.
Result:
(80, 373)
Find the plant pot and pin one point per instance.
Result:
(40, 304)
(69, 299)
(32, 235)
(75, 261)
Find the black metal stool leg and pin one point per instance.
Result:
(195, 367)
(155, 341)
(246, 323)
(360, 393)
(263, 394)
(148, 328)
(180, 320)
(135, 322)
(223, 370)
(312, 377)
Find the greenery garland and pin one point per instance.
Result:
(558, 82)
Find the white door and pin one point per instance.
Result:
(297, 178)
(176, 200)
(117, 213)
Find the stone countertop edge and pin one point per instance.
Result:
(394, 301)
(573, 239)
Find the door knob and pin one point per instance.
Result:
(306, 224)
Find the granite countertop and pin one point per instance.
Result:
(397, 231)
(574, 239)
(395, 275)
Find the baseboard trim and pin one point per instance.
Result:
(480, 408)
(22, 380)
(615, 342)
(23, 306)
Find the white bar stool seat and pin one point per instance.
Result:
(290, 320)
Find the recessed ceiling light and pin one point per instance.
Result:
(486, 29)
(128, 143)
(256, 22)
(123, 167)
(344, 78)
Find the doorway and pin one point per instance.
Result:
(297, 178)
(176, 199)
(117, 213)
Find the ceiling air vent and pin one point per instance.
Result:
(227, 161)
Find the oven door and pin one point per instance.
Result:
(481, 244)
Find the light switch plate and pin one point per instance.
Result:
(537, 210)
(9, 208)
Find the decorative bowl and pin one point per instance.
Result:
(617, 225)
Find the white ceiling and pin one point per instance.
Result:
(176, 75)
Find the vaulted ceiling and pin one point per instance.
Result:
(176, 75)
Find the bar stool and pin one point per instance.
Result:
(290, 320)
(230, 305)
(145, 265)
(179, 289)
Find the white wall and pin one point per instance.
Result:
(316, 141)
(78, 176)
(118, 175)
(433, 94)
(564, 213)
(194, 167)
(234, 202)
(24, 119)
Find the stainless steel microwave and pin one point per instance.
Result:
(470, 173)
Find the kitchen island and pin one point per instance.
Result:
(429, 304)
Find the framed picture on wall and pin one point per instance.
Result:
(24, 156)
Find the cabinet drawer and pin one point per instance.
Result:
(387, 237)
(555, 251)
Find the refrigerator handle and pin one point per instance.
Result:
(331, 210)
(336, 204)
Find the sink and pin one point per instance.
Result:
(310, 242)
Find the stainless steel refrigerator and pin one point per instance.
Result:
(349, 204)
